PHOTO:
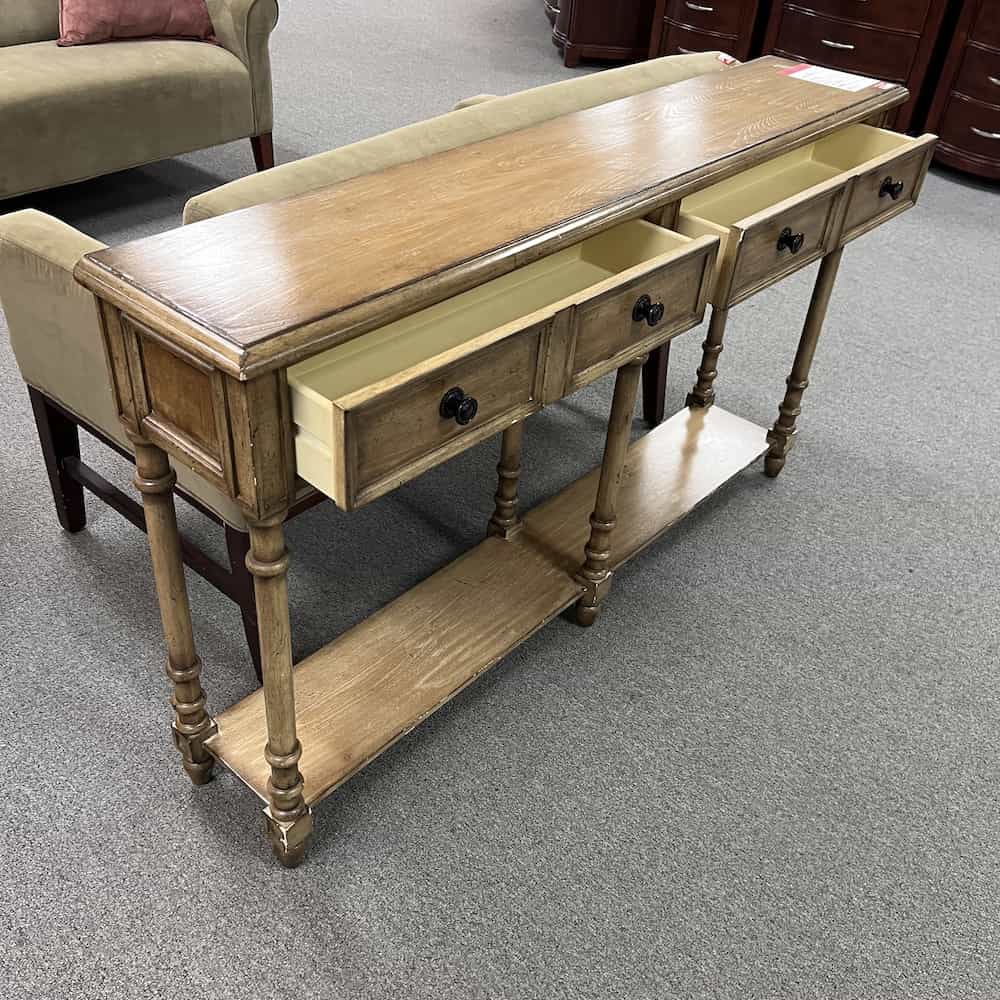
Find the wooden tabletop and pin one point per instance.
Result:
(267, 286)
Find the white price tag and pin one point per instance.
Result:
(832, 78)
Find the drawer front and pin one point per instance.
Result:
(887, 186)
(758, 253)
(722, 16)
(987, 26)
(850, 47)
(972, 127)
(402, 432)
(902, 15)
(641, 313)
(680, 40)
(979, 76)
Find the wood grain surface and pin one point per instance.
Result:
(270, 285)
(362, 692)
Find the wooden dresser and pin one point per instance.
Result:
(966, 107)
(681, 26)
(615, 30)
(887, 39)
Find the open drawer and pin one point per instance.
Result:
(378, 410)
(783, 214)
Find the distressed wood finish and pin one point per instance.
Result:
(289, 820)
(375, 683)
(192, 724)
(607, 335)
(251, 291)
(781, 435)
(595, 573)
(506, 520)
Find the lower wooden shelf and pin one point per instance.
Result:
(374, 684)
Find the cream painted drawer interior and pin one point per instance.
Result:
(381, 409)
(783, 214)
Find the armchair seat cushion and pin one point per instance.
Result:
(68, 114)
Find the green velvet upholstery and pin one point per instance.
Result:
(24, 21)
(67, 114)
(480, 119)
(244, 28)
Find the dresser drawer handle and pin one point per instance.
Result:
(892, 189)
(648, 310)
(699, 7)
(984, 134)
(994, 81)
(455, 405)
(790, 241)
(837, 45)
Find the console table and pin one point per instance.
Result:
(353, 340)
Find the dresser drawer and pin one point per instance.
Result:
(841, 45)
(678, 39)
(979, 76)
(972, 127)
(902, 15)
(987, 26)
(722, 16)
(784, 214)
(379, 410)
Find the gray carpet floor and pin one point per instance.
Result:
(769, 771)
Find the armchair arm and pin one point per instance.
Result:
(53, 323)
(244, 28)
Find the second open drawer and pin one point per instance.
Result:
(378, 410)
(783, 214)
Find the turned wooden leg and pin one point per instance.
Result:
(595, 574)
(703, 394)
(289, 819)
(781, 435)
(238, 546)
(654, 384)
(60, 439)
(192, 723)
(263, 150)
(506, 519)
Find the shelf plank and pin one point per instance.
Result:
(368, 688)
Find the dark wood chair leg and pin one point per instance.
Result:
(60, 440)
(654, 384)
(263, 150)
(238, 545)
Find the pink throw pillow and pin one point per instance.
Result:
(83, 22)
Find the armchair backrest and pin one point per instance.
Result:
(23, 21)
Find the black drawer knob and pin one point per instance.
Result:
(648, 310)
(790, 241)
(891, 188)
(455, 405)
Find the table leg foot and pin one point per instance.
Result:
(595, 573)
(289, 839)
(703, 393)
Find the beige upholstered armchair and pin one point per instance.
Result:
(68, 114)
